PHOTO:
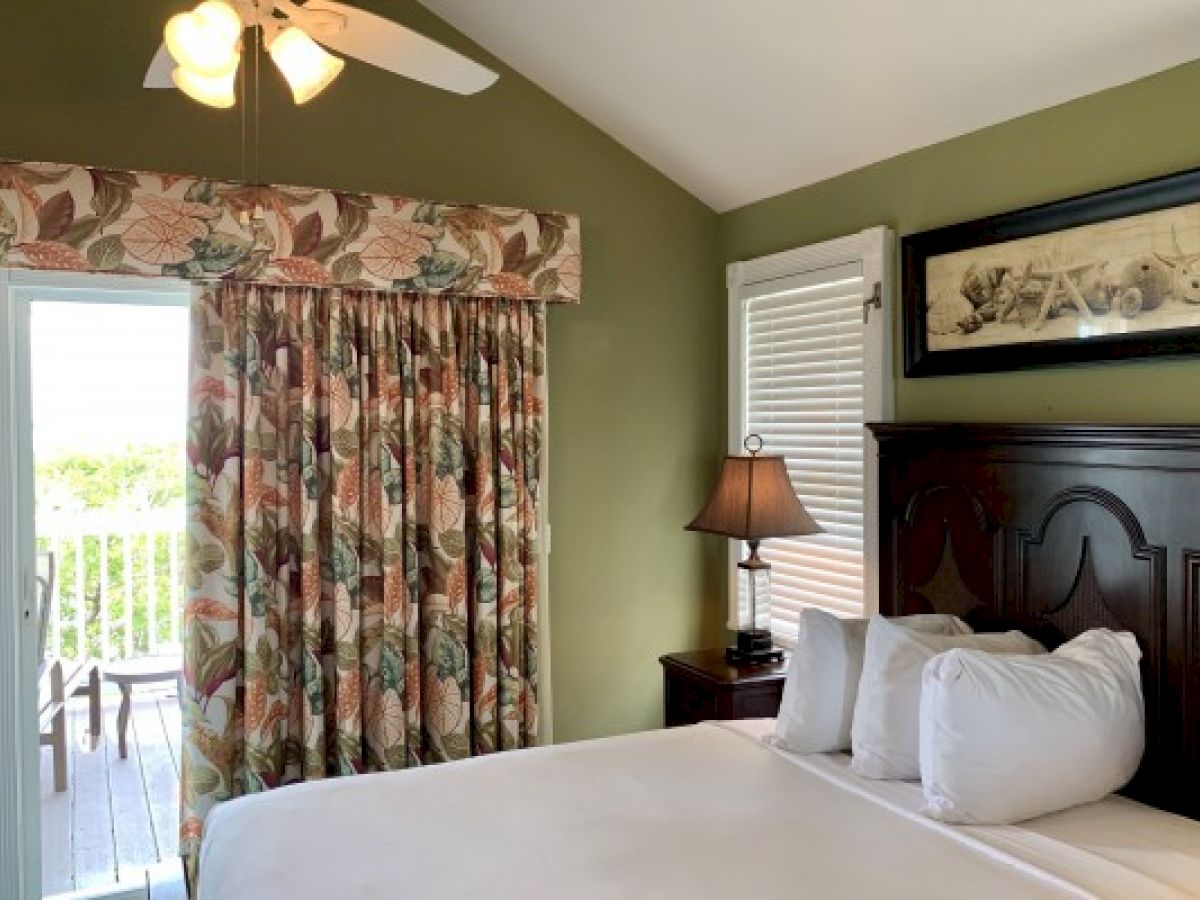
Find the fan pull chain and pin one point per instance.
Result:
(242, 104)
(246, 216)
(258, 34)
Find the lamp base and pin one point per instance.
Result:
(754, 647)
(736, 657)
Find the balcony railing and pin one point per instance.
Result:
(119, 588)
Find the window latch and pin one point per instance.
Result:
(875, 300)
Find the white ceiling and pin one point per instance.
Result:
(737, 100)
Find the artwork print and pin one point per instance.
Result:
(1129, 275)
(1109, 287)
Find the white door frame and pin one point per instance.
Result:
(19, 850)
(20, 808)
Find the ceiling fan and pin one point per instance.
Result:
(202, 49)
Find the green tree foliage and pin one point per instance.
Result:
(149, 477)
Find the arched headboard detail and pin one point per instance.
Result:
(1143, 589)
(932, 491)
(944, 530)
(1084, 606)
(1056, 529)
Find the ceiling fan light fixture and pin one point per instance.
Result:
(205, 40)
(307, 68)
(211, 90)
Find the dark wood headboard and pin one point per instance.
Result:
(1055, 529)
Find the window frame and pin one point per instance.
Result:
(875, 250)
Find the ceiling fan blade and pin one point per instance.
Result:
(159, 73)
(389, 45)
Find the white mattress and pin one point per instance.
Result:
(704, 811)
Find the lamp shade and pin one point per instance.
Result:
(205, 40)
(754, 499)
(210, 90)
(307, 68)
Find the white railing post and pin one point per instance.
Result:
(173, 574)
(151, 593)
(127, 550)
(56, 595)
(80, 599)
(105, 643)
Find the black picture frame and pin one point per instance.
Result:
(1181, 189)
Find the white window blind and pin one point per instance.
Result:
(809, 373)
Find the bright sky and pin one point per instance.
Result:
(106, 375)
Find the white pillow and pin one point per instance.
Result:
(1009, 738)
(884, 736)
(822, 678)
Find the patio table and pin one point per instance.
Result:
(126, 673)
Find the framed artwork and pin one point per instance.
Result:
(1110, 275)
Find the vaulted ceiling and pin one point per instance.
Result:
(737, 100)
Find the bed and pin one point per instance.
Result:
(1053, 529)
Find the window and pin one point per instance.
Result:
(810, 362)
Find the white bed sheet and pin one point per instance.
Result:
(704, 811)
(1115, 847)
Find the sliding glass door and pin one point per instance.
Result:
(100, 393)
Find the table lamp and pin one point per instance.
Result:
(753, 500)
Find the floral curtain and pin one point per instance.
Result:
(363, 472)
(89, 219)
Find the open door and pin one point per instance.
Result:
(98, 404)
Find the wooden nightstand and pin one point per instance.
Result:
(702, 685)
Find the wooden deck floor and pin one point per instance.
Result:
(118, 816)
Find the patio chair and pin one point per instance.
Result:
(58, 680)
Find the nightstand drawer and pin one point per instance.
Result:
(756, 704)
(686, 701)
(702, 685)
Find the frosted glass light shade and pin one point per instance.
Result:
(205, 40)
(307, 68)
(210, 90)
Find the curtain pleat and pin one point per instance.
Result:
(362, 566)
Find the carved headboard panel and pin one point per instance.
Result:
(1055, 529)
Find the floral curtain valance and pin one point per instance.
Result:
(138, 223)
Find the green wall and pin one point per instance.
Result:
(637, 371)
(635, 433)
(1136, 131)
